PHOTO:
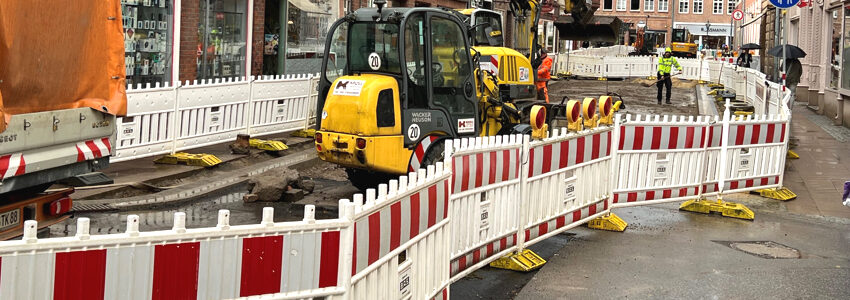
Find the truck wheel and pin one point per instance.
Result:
(363, 180)
(436, 153)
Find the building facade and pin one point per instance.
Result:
(822, 31)
(709, 21)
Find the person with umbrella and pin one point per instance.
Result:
(746, 58)
(794, 70)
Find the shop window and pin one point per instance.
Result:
(662, 5)
(836, 48)
(648, 5)
(222, 41)
(845, 57)
(147, 40)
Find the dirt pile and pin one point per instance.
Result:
(279, 184)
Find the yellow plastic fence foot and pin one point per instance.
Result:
(702, 82)
(611, 222)
(715, 86)
(200, 160)
(305, 133)
(712, 92)
(782, 194)
(792, 155)
(267, 145)
(602, 79)
(523, 262)
(727, 209)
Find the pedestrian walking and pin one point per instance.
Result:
(543, 76)
(792, 78)
(745, 59)
(665, 66)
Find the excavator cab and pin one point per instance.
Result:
(391, 78)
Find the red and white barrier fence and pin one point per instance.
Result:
(412, 237)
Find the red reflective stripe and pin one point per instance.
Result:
(506, 165)
(579, 150)
(702, 138)
(683, 192)
(637, 142)
(374, 237)
(543, 229)
(674, 138)
(776, 180)
(622, 137)
(79, 275)
(446, 193)
(608, 148)
(354, 253)
(461, 263)
(733, 185)
(710, 135)
(531, 162)
(22, 167)
(489, 249)
(527, 235)
(616, 198)
(105, 142)
(516, 163)
(395, 228)
(4, 164)
(656, 138)
(755, 136)
(476, 256)
(689, 138)
(547, 159)
(596, 140)
(465, 179)
(650, 195)
(479, 168)
(414, 215)
(95, 150)
(749, 183)
(565, 154)
(419, 153)
(261, 265)
(492, 177)
(175, 271)
(764, 181)
(560, 222)
(606, 204)
(592, 209)
(771, 128)
(632, 197)
(503, 243)
(576, 215)
(329, 264)
(782, 134)
(432, 205)
(667, 194)
(739, 138)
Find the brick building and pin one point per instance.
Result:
(663, 15)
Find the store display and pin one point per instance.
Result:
(147, 40)
(222, 41)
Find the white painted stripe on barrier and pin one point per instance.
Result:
(129, 273)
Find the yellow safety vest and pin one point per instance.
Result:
(665, 64)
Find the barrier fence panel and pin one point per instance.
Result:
(659, 159)
(148, 128)
(402, 238)
(568, 180)
(210, 112)
(485, 200)
(285, 260)
(589, 66)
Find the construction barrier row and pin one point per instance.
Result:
(170, 118)
(487, 203)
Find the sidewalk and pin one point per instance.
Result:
(818, 176)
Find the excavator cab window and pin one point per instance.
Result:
(380, 38)
(451, 72)
(414, 59)
(490, 34)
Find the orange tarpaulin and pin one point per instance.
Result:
(61, 54)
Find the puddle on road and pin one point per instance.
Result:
(764, 249)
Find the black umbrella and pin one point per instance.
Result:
(750, 46)
(791, 51)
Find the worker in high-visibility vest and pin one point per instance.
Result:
(543, 76)
(665, 66)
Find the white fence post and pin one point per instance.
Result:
(523, 192)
